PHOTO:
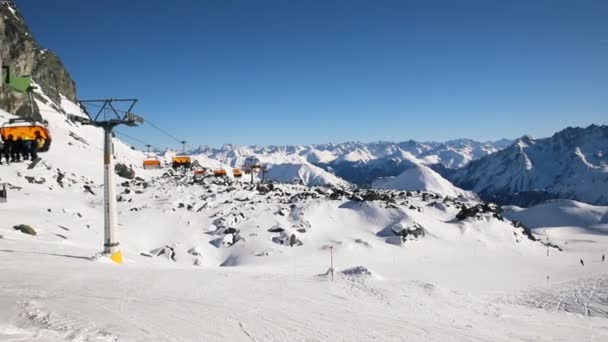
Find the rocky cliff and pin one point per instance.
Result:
(23, 54)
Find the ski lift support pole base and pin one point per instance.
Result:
(107, 122)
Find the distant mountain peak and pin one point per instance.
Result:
(571, 164)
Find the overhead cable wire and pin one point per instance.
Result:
(163, 131)
(132, 138)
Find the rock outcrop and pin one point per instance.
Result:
(25, 56)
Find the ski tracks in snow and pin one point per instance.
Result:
(244, 330)
(50, 326)
(588, 297)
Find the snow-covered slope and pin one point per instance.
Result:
(559, 213)
(573, 164)
(417, 176)
(302, 173)
(422, 178)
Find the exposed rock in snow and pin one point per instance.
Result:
(25, 229)
(357, 271)
(478, 210)
(124, 171)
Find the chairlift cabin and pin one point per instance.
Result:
(199, 173)
(181, 161)
(26, 130)
(152, 163)
(219, 173)
(237, 173)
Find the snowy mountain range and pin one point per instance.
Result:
(573, 164)
(451, 154)
(354, 162)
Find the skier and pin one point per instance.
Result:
(603, 257)
(10, 146)
(39, 141)
(6, 152)
(16, 148)
(35, 145)
(26, 148)
(582, 263)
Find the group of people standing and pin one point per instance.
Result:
(15, 150)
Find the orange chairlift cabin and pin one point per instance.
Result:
(151, 162)
(237, 173)
(219, 172)
(181, 160)
(199, 172)
(26, 129)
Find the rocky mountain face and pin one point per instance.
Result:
(23, 54)
(571, 164)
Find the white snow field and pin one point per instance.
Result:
(225, 260)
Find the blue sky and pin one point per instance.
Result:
(300, 72)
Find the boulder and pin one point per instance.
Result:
(394, 240)
(407, 232)
(167, 251)
(25, 229)
(336, 194)
(287, 240)
(264, 188)
(276, 230)
(124, 171)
